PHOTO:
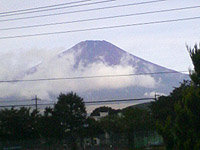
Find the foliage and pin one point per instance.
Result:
(96, 112)
(177, 115)
(111, 124)
(163, 112)
(187, 129)
(136, 120)
(131, 121)
(49, 125)
(18, 124)
(92, 128)
(195, 56)
(65, 120)
(70, 111)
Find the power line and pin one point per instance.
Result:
(101, 18)
(13, 101)
(87, 102)
(46, 100)
(87, 4)
(35, 8)
(100, 28)
(27, 100)
(119, 100)
(107, 103)
(90, 77)
(84, 10)
(28, 105)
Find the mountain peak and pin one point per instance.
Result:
(91, 51)
(94, 42)
(95, 51)
(97, 45)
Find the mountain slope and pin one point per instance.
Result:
(103, 51)
(97, 58)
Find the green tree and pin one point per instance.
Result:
(92, 129)
(164, 115)
(49, 127)
(136, 120)
(187, 121)
(195, 57)
(19, 124)
(112, 125)
(70, 112)
(177, 115)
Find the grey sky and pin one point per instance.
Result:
(163, 44)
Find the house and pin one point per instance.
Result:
(101, 115)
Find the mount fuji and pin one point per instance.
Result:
(100, 58)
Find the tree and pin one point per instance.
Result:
(164, 114)
(187, 129)
(136, 120)
(195, 57)
(187, 122)
(70, 112)
(92, 129)
(19, 124)
(49, 127)
(177, 115)
(112, 126)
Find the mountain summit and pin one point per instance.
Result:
(102, 51)
(94, 51)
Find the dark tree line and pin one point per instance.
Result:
(67, 121)
(177, 116)
(18, 124)
(64, 121)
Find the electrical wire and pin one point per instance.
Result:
(100, 28)
(101, 18)
(83, 10)
(35, 8)
(90, 77)
(11, 101)
(28, 105)
(119, 100)
(87, 102)
(36, 11)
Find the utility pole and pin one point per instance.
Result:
(36, 102)
(155, 96)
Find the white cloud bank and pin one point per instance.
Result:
(153, 93)
(14, 65)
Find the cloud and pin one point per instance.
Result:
(51, 66)
(12, 64)
(152, 94)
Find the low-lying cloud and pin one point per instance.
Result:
(49, 65)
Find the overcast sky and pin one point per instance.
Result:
(163, 44)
